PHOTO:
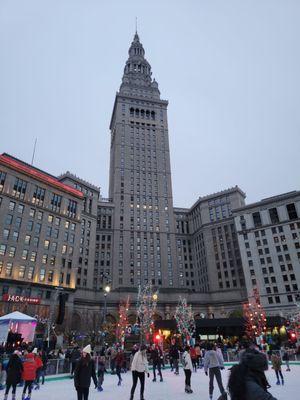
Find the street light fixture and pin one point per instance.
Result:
(106, 291)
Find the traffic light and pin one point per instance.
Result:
(157, 338)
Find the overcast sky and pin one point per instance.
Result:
(230, 70)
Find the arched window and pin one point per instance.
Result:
(147, 114)
(132, 112)
(152, 115)
(139, 67)
(137, 113)
(142, 113)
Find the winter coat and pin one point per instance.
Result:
(39, 362)
(255, 391)
(44, 360)
(119, 359)
(83, 374)
(174, 352)
(187, 361)
(276, 362)
(286, 356)
(139, 362)
(213, 359)
(156, 356)
(75, 355)
(193, 353)
(29, 368)
(14, 370)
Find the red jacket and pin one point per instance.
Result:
(193, 353)
(29, 368)
(38, 361)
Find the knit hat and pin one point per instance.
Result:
(87, 349)
(143, 347)
(255, 360)
(35, 350)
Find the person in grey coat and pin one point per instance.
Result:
(214, 362)
(247, 380)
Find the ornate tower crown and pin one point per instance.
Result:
(137, 73)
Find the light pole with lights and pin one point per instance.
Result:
(106, 292)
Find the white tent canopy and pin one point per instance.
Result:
(17, 316)
(17, 322)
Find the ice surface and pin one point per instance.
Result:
(172, 388)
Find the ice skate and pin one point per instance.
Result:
(278, 382)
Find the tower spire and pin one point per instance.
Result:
(137, 71)
(136, 25)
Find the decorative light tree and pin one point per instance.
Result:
(123, 322)
(185, 320)
(146, 306)
(294, 319)
(255, 317)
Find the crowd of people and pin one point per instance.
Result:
(27, 367)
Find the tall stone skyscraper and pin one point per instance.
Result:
(144, 247)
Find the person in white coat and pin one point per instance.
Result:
(188, 368)
(139, 367)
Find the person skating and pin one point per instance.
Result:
(187, 368)
(174, 354)
(74, 357)
(193, 355)
(84, 372)
(119, 362)
(156, 357)
(139, 367)
(286, 358)
(29, 374)
(247, 380)
(276, 365)
(213, 363)
(100, 373)
(14, 371)
(39, 367)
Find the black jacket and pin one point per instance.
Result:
(14, 370)
(75, 355)
(83, 374)
(174, 352)
(156, 356)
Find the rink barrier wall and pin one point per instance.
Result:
(61, 368)
(66, 375)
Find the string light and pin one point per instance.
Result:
(185, 319)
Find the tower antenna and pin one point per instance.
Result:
(33, 154)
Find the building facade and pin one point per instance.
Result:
(39, 238)
(269, 242)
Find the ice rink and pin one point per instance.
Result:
(172, 388)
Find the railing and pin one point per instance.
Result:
(64, 366)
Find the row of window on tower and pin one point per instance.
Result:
(144, 114)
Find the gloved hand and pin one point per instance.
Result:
(206, 373)
(148, 374)
(221, 367)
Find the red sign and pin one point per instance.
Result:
(13, 298)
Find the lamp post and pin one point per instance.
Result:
(106, 292)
